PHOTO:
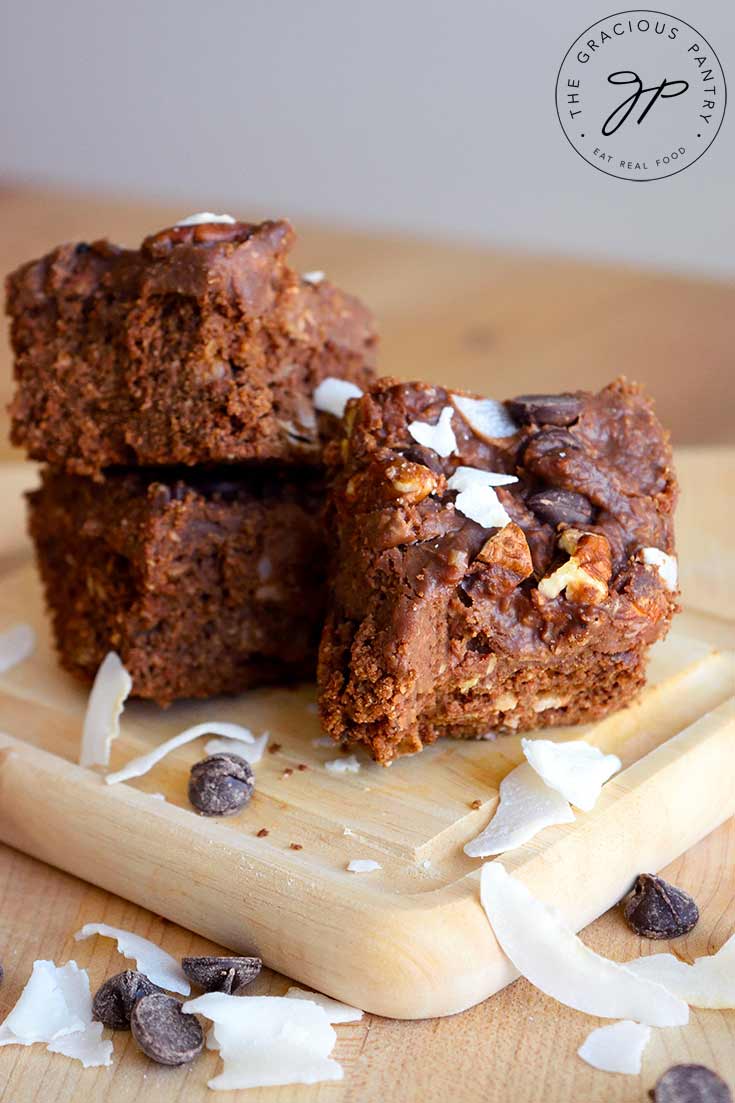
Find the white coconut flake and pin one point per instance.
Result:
(268, 1040)
(709, 982)
(336, 1012)
(665, 564)
(465, 478)
(16, 644)
(617, 1047)
(486, 417)
(526, 807)
(55, 1007)
(363, 865)
(346, 765)
(157, 796)
(313, 277)
(139, 766)
(251, 752)
(204, 217)
(332, 395)
(111, 688)
(439, 437)
(481, 504)
(575, 769)
(160, 967)
(545, 950)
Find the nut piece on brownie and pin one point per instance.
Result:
(201, 346)
(507, 585)
(203, 583)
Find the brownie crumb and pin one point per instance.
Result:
(164, 1032)
(475, 804)
(656, 909)
(221, 974)
(115, 999)
(274, 748)
(262, 833)
(287, 772)
(295, 846)
(690, 1084)
(221, 784)
(302, 766)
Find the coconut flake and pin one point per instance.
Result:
(346, 765)
(465, 478)
(617, 1047)
(481, 504)
(545, 950)
(332, 395)
(440, 437)
(112, 685)
(16, 644)
(55, 1007)
(204, 217)
(526, 806)
(160, 967)
(251, 752)
(486, 417)
(336, 1012)
(665, 564)
(268, 1040)
(141, 765)
(363, 865)
(709, 982)
(575, 769)
(314, 277)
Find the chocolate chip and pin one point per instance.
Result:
(690, 1084)
(221, 784)
(221, 974)
(546, 409)
(164, 1032)
(115, 999)
(561, 506)
(656, 909)
(426, 456)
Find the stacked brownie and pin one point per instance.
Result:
(168, 390)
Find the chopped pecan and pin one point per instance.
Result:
(586, 573)
(508, 548)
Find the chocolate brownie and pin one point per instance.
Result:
(537, 612)
(203, 585)
(202, 346)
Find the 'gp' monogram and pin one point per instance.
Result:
(667, 89)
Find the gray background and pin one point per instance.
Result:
(427, 116)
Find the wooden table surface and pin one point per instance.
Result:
(500, 324)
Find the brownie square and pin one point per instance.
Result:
(203, 346)
(202, 584)
(463, 604)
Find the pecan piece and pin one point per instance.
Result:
(586, 573)
(508, 548)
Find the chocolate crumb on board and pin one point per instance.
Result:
(262, 833)
(221, 974)
(656, 909)
(295, 846)
(274, 748)
(164, 1032)
(690, 1084)
(302, 766)
(475, 804)
(287, 772)
(115, 999)
(221, 784)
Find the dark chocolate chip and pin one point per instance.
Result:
(426, 456)
(561, 506)
(116, 998)
(546, 409)
(164, 1032)
(656, 909)
(690, 1084)
(221, 784)
(221, 974)
(81, 248)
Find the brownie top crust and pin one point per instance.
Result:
(201, 346)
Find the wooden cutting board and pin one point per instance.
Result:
(407, 941)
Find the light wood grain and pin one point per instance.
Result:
(491, 321)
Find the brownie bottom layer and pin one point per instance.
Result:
(203, 585)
